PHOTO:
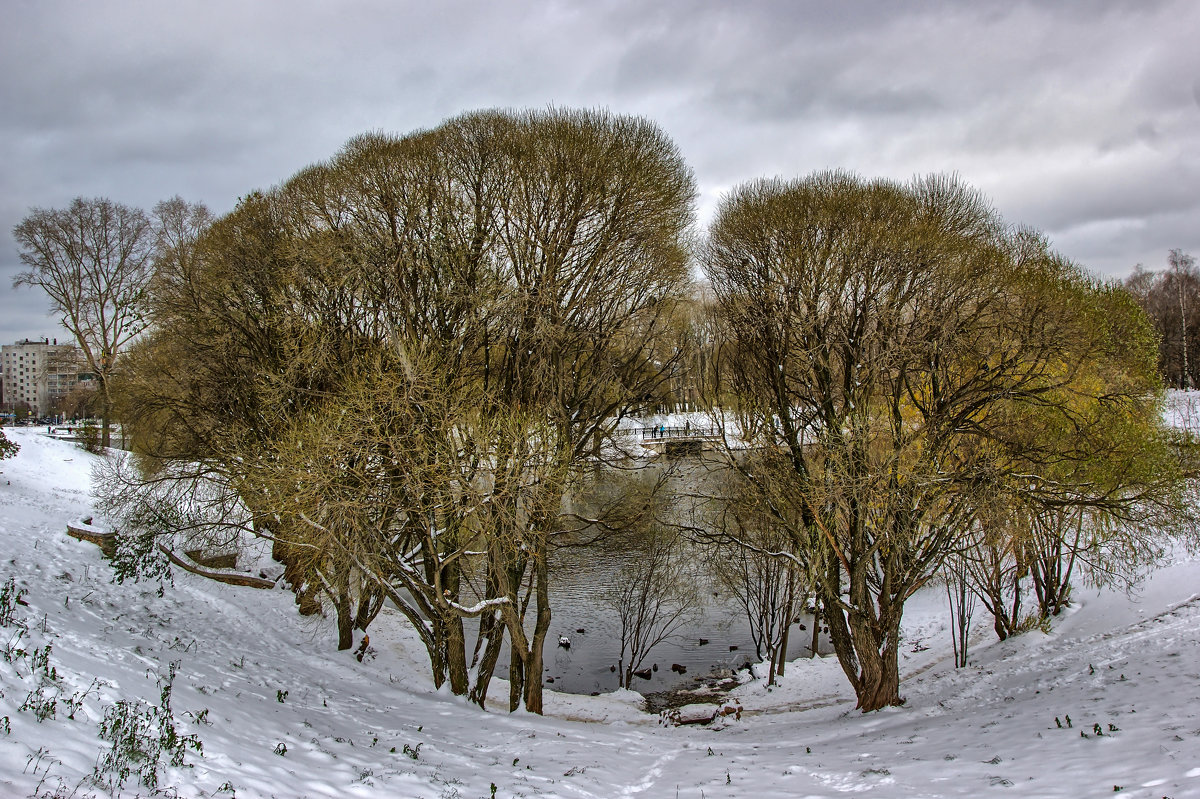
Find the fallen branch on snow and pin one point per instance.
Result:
(221, 577)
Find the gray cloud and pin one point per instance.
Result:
(1079, 119)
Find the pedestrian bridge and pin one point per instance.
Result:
(681, 440)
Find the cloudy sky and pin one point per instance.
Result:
(1078, 118)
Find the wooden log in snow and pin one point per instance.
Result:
(226, 560)
(82, 530)
(107, 541)
(221, 577)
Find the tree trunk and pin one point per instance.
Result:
(105, 412)
(1185, 381)
(370, 602)
(783, 645)
(345, 616)
(516, 678)
(491, 633)
(880, 682)
(875, 642)
(789, 616)
(1000, 627)
(456, 655)
(867, 649)
(816, 623)
(486, 666)
(293, 575)
(533, 672)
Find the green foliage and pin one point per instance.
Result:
(40, 703)
(90, 438)
(140, 736)
(76, 700)
(137, 558)
(1033, 621)
(42, 699)
(7, 448)
(39, 663)
(11, 596)
(147, 513)
(911, 365)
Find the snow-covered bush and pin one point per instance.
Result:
(7, 448)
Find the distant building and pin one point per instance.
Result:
(36, 374)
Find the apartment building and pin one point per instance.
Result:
(36, 373)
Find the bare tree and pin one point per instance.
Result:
(961, 599)
(591, 246)
(1171, 298)
(757, 562)
(654, 597)
(1182, 265)
(993, 560)
(93, 259)
(80, 402)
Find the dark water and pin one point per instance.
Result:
(577, 602)
(581, 577)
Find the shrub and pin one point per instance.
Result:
(140, 735)
(7, 448)
(89, 437)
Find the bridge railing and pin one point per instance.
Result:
(664, 433)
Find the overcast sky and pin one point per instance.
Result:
(1081, 119)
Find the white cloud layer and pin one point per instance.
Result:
(1082, 120)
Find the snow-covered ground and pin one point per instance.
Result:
(1183, 410)
(290, 717)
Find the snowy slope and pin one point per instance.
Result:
(343, 727)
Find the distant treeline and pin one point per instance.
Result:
(1171, 298)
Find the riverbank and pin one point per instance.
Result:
(280, 713)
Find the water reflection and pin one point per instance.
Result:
(582, 574)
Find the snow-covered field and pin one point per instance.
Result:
(287, 716)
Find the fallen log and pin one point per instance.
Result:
(227, 560)
(221, 577)
(83, 530)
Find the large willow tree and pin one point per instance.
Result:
(401, 358)
(898, 357)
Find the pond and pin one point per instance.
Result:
(581, 576)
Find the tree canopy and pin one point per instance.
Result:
(401, 356)
(399, 363)
(897, 354)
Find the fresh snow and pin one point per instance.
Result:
(378, 729)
